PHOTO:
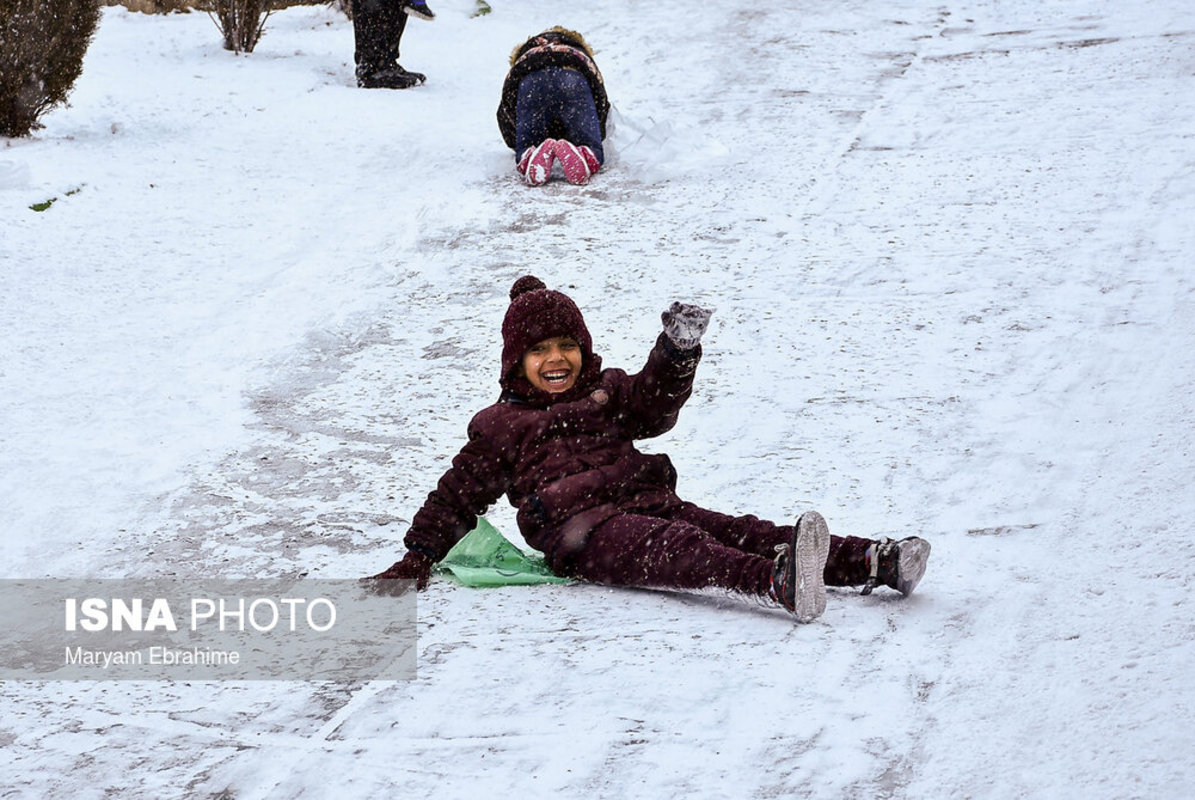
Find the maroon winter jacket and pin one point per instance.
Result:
(566, 462)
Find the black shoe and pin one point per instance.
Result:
(897, 565)
(419, 9)
(797, 578)
(418, 76)
(390, 78)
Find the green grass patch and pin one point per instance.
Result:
(45, 204)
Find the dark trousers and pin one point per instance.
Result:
(557, 103)
(377, 28)
(681, 546)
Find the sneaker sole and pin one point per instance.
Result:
(812, 550)
(576, 171)
(539, 165)
(914, 555)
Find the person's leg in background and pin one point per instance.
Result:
(378, 27)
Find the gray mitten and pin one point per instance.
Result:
(684, 324)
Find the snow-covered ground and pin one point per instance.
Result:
(950, 246)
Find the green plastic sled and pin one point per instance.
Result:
(487, 558)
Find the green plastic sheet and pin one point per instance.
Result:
(487, 558)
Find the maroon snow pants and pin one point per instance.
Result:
(676, 544)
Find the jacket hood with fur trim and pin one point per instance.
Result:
(557, 34)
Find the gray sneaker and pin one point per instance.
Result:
(797, 578)
(898, 565)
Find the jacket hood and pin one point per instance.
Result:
(554, 35)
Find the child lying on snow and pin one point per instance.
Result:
(554, 107)
(559, 443)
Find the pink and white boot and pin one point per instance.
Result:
(536, 162)
(578, 162)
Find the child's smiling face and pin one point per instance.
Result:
(553, 365)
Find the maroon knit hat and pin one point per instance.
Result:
(537, 313)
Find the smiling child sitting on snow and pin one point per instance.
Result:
(559, 443)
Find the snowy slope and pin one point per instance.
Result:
(950, 250)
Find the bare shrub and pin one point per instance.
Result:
(42, 44)
(241, 22)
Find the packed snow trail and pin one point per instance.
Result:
(953, 295)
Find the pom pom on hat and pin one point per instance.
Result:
(527, 283)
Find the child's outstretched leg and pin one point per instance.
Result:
(853, 560)
(651, 552)
(798, 582)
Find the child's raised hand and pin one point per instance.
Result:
(684, 324)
